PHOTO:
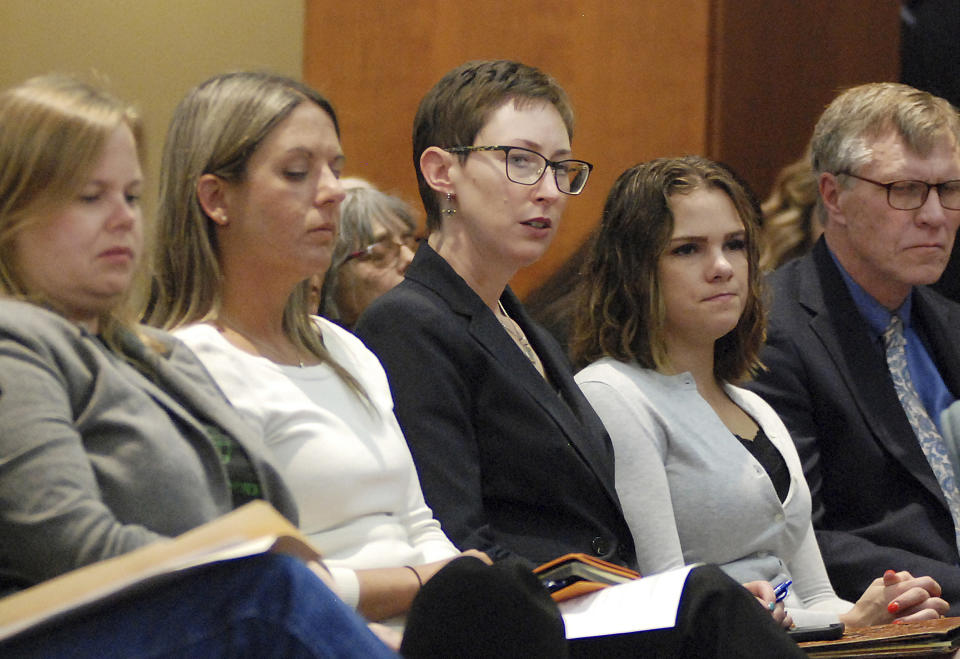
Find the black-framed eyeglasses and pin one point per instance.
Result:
(526, 167)
(385, 252)
(911, 195)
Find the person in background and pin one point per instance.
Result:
(861, 356)
(376, 240)
(705, 470)
(790, 224)
(112, 435)
(512, 458)
(249, 201)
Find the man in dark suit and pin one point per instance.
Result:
(887, 159)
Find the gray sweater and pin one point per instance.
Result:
(95, 458)
(692, 493)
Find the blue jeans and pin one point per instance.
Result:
(264, 606)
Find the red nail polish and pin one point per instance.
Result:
(898, 622)
(893, 607)
(889, 573)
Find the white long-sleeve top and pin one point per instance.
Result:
(692, 493)
(347, 465)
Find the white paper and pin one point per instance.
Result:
(635, 606)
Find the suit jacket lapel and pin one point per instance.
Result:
(940, 320)
(432, 271)
(168, 386)
(570, 409)
(861, 365)
(505, 351)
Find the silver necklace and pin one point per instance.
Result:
(259, 346)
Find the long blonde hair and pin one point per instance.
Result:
(53, 129)
(791, 224)
(215, 130)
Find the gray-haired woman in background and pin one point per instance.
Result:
(375, 243)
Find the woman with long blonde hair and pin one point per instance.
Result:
(249, 209)
(112, 435)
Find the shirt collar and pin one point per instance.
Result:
(876, 315)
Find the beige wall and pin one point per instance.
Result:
(151, 51)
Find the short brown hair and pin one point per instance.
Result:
(868, 110)
(621, 314)
(459, 105)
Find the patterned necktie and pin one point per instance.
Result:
(929, 437)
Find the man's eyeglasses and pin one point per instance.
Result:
(910, 195)
(526, 167)
(384, 252)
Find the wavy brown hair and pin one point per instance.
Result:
(790, 224)
(621, 314)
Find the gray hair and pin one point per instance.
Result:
(841, 136)
(361, 210)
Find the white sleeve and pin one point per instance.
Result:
(815, 601)
(423, 529)
(347, 584)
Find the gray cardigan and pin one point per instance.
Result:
(95, 458)
(692, 493)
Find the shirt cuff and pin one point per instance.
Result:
(348, 585)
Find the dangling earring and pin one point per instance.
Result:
(448, 210)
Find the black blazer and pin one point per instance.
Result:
(876, 503)
(510, 464)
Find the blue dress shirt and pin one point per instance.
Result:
(926, 378)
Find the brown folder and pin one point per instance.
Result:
(572, 575)
(930, 638)
(253, 529)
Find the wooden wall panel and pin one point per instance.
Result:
(636, 73)
(778, 63)
(742, 81)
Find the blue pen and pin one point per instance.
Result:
(781, 590)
